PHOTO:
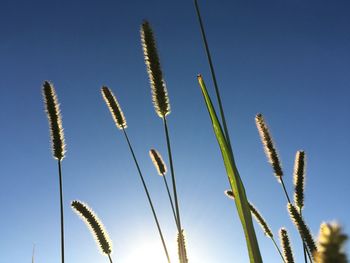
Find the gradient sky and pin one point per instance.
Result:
(289, 60)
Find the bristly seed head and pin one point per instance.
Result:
(229, 194)
(158, 162)
(114, 108)
(302, 228)
(55, 121)
(331, 242)
(286, 247)
(299, 179)
(159, 91)
(95, 225)
(258, 217)
(181, 246)
(269, 146)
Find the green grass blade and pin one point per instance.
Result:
(234, 179)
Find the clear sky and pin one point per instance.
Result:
(289, 60)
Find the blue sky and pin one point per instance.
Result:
(286, 59)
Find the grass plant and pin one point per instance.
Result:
(158, 162)
(120, 121)
(331, 241)
(286, 246)
(161, 104)
(57, 143)
(96, 227)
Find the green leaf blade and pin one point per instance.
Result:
(234, 179)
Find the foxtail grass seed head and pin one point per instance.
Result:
(302, 228)
(55, 121)
(159, 91)
(286, 247)
(258, 217)
(181, 246)
(114, 108)
(299, 179)
(158, 162)
(230, 194)
(269, 146)
(331, 242)
(95, 225)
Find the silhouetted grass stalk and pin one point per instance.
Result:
(96, 227)
(212, 70)
(286, 246)
(57, 143)
(160, 100)
(120, 122)
(148, 195)
(273, 158)
(252, 244)
(299, 184)
(331, 244)
(161, 168)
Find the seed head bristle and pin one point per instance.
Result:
(55, 121)
(299, 179)
(158, 162)
(269, 146)
(114, 108)
(258, 217)
(181, 246)
(286, 247)
(331, 243)
(95, 225)
(159, 91)
(302, 228)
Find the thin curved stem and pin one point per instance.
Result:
(213, 75)
(178, 221)
(304, 247)
(170, 198)
(278, 249)
(61, 209)
(110, 259)
(148, 195)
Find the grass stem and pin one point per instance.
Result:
(170, 198)
(61, 209)
(148, 195)
(178, 221)
(278, 249)
(213, 75)
(110, 259)
(304, 247)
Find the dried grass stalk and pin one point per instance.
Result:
(159, 91)
(302, 228)
(55, 121)
(114, 108)
(299, 179)
(269, 146)
(286, 247)
(331, 243)
(95, 225)
(158, 162)
(181, 245)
